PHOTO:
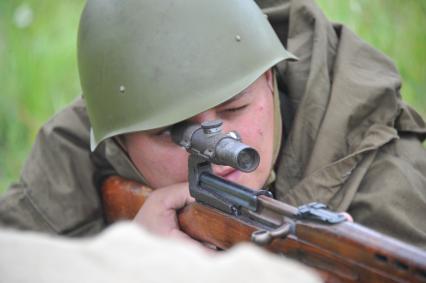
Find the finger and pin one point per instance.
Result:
(178, 196)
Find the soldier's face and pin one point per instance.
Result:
(250, 113)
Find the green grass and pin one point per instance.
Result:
(38, 73)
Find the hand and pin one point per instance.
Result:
(158, 214)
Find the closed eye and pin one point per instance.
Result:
(235, 109)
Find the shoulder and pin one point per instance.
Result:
(57, 186)
(72, 120)
(392, 196)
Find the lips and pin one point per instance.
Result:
(227, 173)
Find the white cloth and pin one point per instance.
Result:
(126, 253)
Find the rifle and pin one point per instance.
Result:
(227, 213)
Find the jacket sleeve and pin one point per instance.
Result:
(56, 191)
(392, 196)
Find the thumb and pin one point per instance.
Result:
(178, 196)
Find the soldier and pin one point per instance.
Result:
(330, 127)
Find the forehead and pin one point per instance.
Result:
(243, 93)
(234, 98)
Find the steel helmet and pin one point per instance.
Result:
(146, 64)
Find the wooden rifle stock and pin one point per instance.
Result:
(345, 252)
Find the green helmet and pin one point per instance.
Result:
(149, 64)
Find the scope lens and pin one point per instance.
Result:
(248, 160)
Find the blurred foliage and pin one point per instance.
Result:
(38, 74)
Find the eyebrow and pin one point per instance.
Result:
(232, 99)
(235, 97)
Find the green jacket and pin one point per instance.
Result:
(348, 141)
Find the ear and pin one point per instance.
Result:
(269, 80)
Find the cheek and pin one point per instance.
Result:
(256, 128)
(161, 165)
